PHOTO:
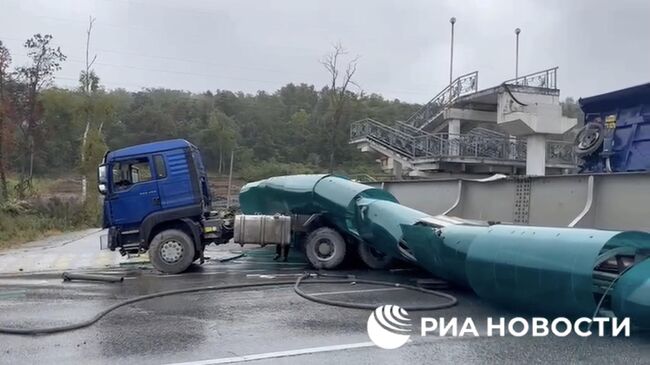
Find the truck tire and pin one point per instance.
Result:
(372, 258)
(171, 251)
(325, 248)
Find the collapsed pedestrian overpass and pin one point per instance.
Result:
(513, 128)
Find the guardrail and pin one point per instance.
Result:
(387, 136)
(560, 152)
(445, 145)
(409, 129)
(464, 84)
(484, 147)
(546, 79)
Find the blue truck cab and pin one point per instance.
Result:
(157, 199)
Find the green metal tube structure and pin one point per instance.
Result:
(537, 269)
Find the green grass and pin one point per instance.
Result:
(43, 213)
(29, 226)
(24, 228)
(39, 184)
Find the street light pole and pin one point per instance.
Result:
(451, 61)
(517, 31)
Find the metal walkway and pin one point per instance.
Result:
(431, 111)
(418, 144)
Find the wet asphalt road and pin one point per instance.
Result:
(69, 251)
(224, 326)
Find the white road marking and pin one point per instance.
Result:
(353, 291)
(273, 263)
(109, 272)
(266, 276)
(278, 354)
(171, 275)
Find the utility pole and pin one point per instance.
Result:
(87, 90)
(517, 31)
(451, 60)
(232, 158)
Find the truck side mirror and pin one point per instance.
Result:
(102, 179)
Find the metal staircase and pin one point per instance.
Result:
(463, 85)
(411, 142)
(478, 143)
(416, 123)
(479, 146)
(401, 140)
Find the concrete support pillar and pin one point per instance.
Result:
(512, 153)
(397, 169)
(536, 155)
(454, 137)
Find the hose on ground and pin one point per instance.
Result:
(451, 300)
(297, 283)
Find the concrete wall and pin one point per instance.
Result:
(541, 114)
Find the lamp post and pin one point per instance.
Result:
(451, 61)
(517, 31)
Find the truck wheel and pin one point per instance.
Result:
(171, 251)
(372, 258)
(325, 248)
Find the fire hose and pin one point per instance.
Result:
(303, 279)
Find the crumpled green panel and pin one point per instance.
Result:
(381, 222)
(539, 269)
(444, 255)
(631, 295)
(280, 194)
(337, 198)
(332, 196)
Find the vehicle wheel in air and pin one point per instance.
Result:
(589, 138)
(171, 251)
(325, 248)
(373, 258)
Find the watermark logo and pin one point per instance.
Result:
(389, 327)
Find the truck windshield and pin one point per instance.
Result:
(129, 172)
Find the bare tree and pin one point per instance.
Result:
(5, 61)
(45, 61)
(338, 94)
(89, 83)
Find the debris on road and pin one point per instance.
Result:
(67, 276)
(234, 257)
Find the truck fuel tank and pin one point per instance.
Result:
(262, 229)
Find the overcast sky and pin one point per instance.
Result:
(248, 45)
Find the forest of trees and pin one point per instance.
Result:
(46, 131)
(289, 126)
(298, 128)
(49, 132)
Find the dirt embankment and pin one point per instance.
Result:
(219, 189)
